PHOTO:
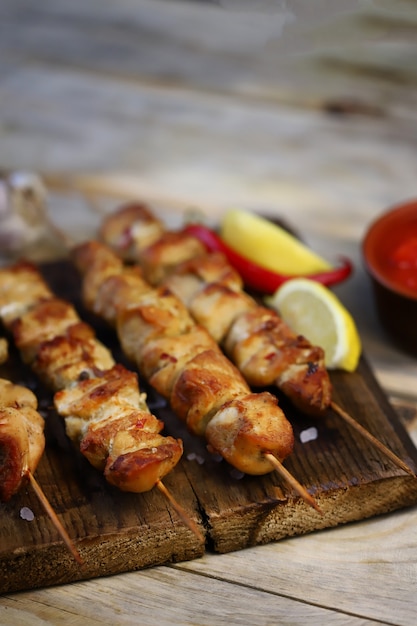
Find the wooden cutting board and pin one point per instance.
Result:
(117, 532)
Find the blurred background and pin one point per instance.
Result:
(305, 110)
(273, 100)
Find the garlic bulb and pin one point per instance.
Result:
(25, 227)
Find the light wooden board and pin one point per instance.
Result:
(180, 598)
(316, 54)
(181, 93)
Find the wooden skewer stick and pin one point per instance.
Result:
(180, 511)
(54, 518)
(378, 444)
(302, 491)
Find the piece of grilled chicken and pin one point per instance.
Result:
(22, 439)
(265, 350)
(105, 413)
(183, 363)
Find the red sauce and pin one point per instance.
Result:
(395, 258)
(403, 264)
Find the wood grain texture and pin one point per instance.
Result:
(179, 596)
(367, 569)
(118, 532)
(182, 93)
(334, 56)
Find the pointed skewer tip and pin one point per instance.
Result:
(54, 518)
(185, 518)
(378, 444)
(291, 480)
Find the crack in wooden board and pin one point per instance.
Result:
(117, 532)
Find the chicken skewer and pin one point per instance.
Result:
(22, 443)
(256, 339)
(186, 366)
(264, 349)
(105, 413)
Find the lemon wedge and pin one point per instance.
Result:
(314, 311)
(269, 245)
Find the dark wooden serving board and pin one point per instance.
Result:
(117, 532)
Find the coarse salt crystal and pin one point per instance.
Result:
(27, 514)
(192, 456)
(310, 434)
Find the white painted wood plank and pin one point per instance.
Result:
(294, 51)
(206, 149)
(163, 596)
(366, 569)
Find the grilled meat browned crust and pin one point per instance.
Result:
(183, 362)
(115, 431)
(255, 338)
(22, 439)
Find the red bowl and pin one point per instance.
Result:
(390, 256)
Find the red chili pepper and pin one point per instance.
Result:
(255, 276)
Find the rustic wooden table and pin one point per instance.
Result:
(211, 105)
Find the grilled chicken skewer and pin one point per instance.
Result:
(105, 413)
(255, 338)
(186, 366)
(22, 443)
